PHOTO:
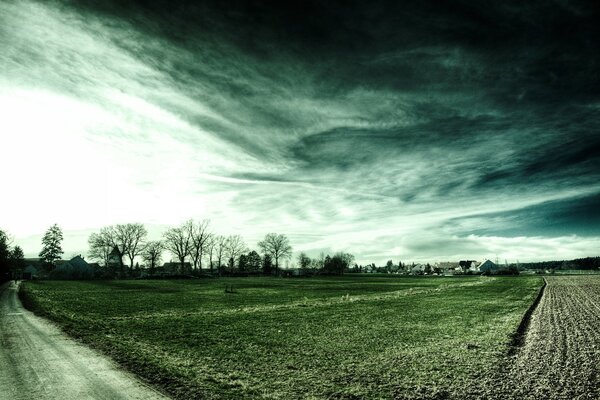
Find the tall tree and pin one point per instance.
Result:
(319, 262)
(179, 242)
(304, 261)
(338, 263)
(276, 245)
(211, 245)
(17, 259)
(131, 237)
(152, 254)
(51, 245)
(200, 238)
(253, 261)
(101, 245)
(220, 243)
(267, 264)
(235, 247)
(243, 263)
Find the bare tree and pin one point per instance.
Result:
(200, 237)
(131, 237)
(211, 245)
(117, 242)
(179, 242)
(152, 254)
(234, 248)
(101, 245)
(220, 247)
(277, 246)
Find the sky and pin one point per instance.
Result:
(411, 131)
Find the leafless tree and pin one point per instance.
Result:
(152, 254)
(127, 239)
(277, 246)
(179, 242)
(235, 246)
(211, 245)
(131, 237)
(220, 247)
(200, 237)
(101, 245)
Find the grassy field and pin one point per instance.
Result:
(349, 337)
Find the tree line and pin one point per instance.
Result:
(12, 258)
(191, 244)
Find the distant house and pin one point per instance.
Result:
(488, 266)
(417, 269)
(33, 268)
(75, 268)
(448, 268)
(174, 268)
(467, 265)
(30, 272)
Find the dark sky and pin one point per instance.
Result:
(406, 130)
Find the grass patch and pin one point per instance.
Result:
(348, 337)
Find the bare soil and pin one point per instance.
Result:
(560, 355)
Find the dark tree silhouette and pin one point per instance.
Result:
(17, 260)
(234, 248)
(304, 261)
(4, 256)
(51, 245)
(200, 240)
(132, 238)
(277, 246)
(253, 261)
(101, 245)
(152, 254)
(220, 244)
(179, 242)
(267, 264)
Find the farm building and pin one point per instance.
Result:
(75, 268)
(487, 266)
(417, 269)
(174, 268)
(30, 272)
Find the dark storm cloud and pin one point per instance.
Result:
(523, 61)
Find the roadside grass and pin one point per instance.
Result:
(347, 337)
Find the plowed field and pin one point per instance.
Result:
(560, 357)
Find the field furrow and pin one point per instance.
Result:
(560, 358)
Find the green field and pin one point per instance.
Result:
(348, 337)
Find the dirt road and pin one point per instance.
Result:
(37, 361)
(560, 357)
